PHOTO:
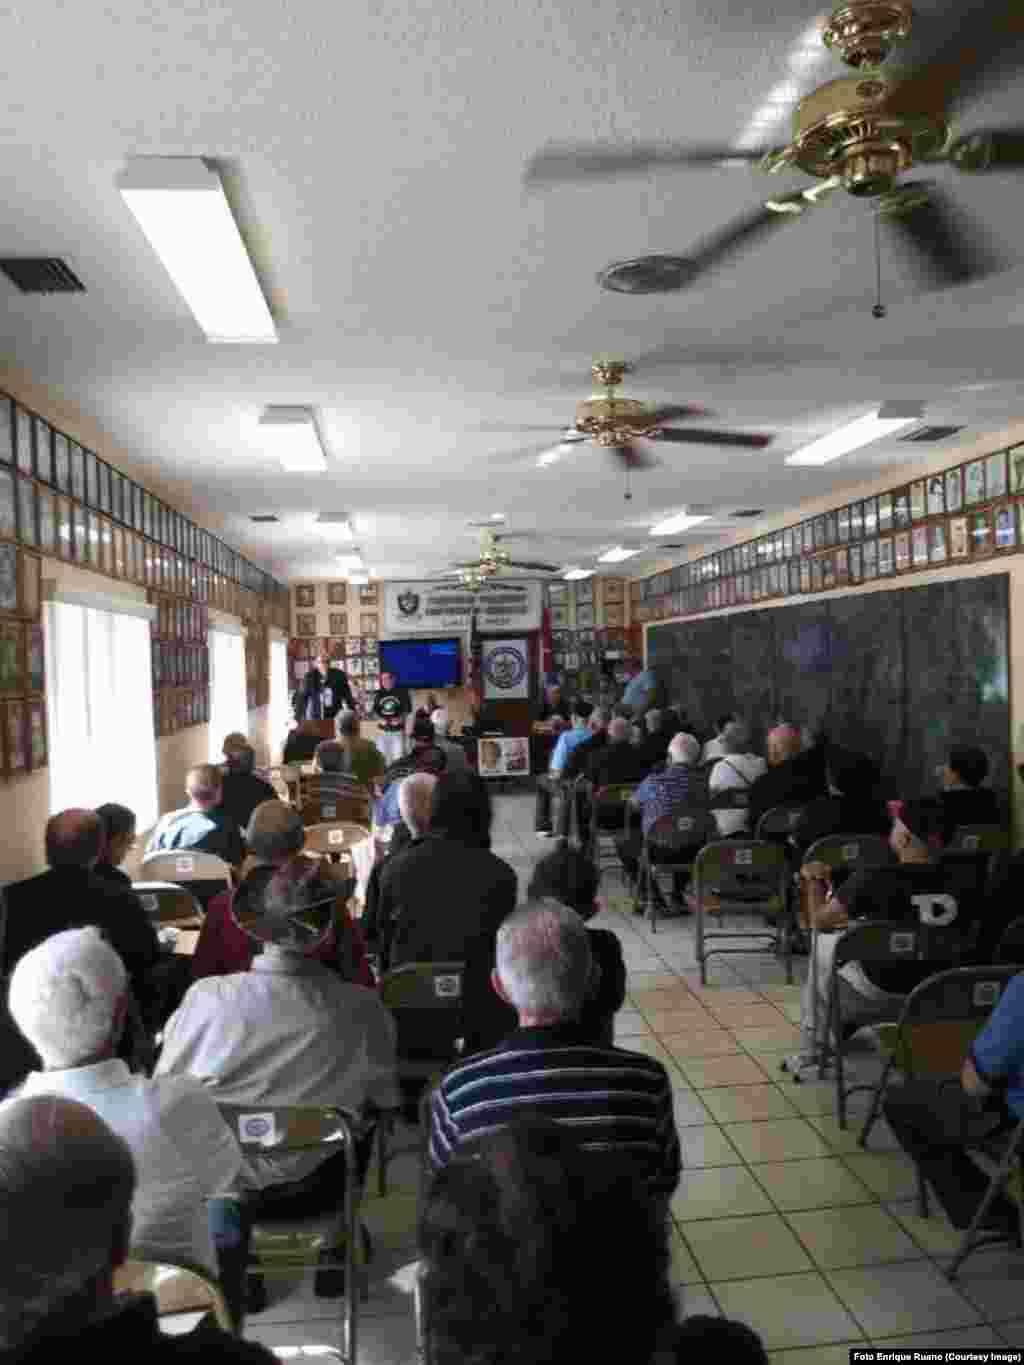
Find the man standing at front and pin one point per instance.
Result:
(391, 705)
(325, 690)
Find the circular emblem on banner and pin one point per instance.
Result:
(505, 667)
(408, 603)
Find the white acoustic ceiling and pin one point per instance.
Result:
(375, 153)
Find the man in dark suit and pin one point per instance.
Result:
(323, 692)
(70, 895)
(795, 775)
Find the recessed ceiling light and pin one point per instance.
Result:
(180, 205)
(682, 521)
(292, 433)
(497, 516)
(572, 574)
(617, 555)
(890, 417)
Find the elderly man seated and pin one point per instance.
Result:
(289, 1031)
(620, 1102)
(242, 790)
(415, 793)
(276, 837)
(681, 783)
(350, 755)
(424, 757)
(796, 774)
(66, 1206)
(736, 771)
(202, 825)
(69, 998)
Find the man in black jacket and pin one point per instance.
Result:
(795, 775)
(323, 692)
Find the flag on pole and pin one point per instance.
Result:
(474, 665)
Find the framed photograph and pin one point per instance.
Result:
(560, 616)
(355, 667)
(368, 595)
(901, 551)
(831, 528)
(871, 522)
(843, 525)
(305, 623)
(104, 551)
(938, 548)
(12, 666)
(44, 450)
(77, 471)
(30, 576)
(856, 521)
(870, 559)
(885, 518)
(337, 622)
(47, 520)
(15, 739)
(35, 659)
(305, 595)
(353, 647)
(805, 575)
(995, 475)
(614, 590)
(91, 481)
(828, 570)
(584, 614)
(10, 598)
(901, 509)
(954, 492)
(37, 751)
(1016, 458)
(959, 542)
(818, 533)
(1005, 527)
(28, 530)
(24, 440)
(936, 495)
(103, 486)
(817, 575)
(585, 591)
(371, 667)
(918, 500)
(842, 558)
(117, 495)
(6, 430)
(1020, 523)
(974, 483)
(337, 594)
(368, 624)
(148, 515)
(8, 506)
(919, 552)
(65, 532)
(886, 557)
(856, 563)
(615, 613)
(981, 533)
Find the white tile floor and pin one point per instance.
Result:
(831, 1252)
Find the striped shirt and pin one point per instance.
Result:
(616, 1101)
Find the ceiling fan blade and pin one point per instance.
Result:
(945, 247)
(529, 452)
(530, 564)
(562, 165)
(995, 149)
(500, 428)
(633, 457)
(978, 46)
(679, 412)
(701, 436)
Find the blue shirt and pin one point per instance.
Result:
(637, 689)
(567, 741)
(659, 793)
(998, 1051)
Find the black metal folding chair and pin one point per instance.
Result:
(673, 843)
(749, 875)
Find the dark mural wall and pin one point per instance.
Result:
(900, 675)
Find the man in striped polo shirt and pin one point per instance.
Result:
(615, 1101)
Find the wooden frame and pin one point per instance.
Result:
(15, 739)
(337, 596)
(37, 745)
(305, 595)
(12, 659)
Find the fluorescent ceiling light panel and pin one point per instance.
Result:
(572, 574)
(617, 555)
(180, 205)
(682, 521)
(292, 435)
(889, 418)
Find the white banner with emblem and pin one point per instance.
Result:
(433, 608)
(506, 670)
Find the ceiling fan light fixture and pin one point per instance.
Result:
(872, 426)
(681, 521)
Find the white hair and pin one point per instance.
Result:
(440, 720)
(735, 737)
(544, 960)
(684, 749)
(64, 995)
(414, 798)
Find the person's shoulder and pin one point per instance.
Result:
(209, 1343)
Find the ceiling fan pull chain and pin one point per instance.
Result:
(879, 310)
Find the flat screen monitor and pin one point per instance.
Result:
(422, 663)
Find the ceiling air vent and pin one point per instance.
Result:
(748, 512)
(265, 517)
(41, 275)
(931, 434)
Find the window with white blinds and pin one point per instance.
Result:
(228, 694)
(280, 698)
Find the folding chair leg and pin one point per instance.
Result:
(876, 1104)
(384, 1130)
(922, 1194)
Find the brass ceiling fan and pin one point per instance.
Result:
(493, 557)
(620, 426)
(860, 133)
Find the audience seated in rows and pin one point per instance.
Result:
(914, 891)
(580, 763)
(568, 876)
(796, 774)
(654, 744)
(66, 1204)
(276, 837)
(289, 1031)
(621, 1102)
(69, 997)
(519, 1220)
(963, 799)
(71, 895)
(453, 752)
(934, 1121)
(202, 825)
(302, 742)
(736, 770)
(424, 756)
(349, 754)
(617, 762)
(641, 690)
(443, 898)
(715, 747)
(550, 785)
(241, 789)
(118, 841)
(852, 805)
(681, 783)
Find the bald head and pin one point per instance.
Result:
(414, 799)
(784, 742)
(618, 730)
(275, 832)
(684, 749)
(66, 1186)
(74, 838)
(203, 785)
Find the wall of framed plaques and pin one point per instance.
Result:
(973, 511)
(60, 500)
(589, 635)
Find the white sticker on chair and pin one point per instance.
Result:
(150, 903)
(744, 857)
(184, 864)
(329, 812)
(986, 993)
(448, 987)
(902, 943)
(851, 852)
(335, 836)
(261, 1128)
(685, 823)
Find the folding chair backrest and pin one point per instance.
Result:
(336, 836)
(166, 904)
(331, 805)
(681, 828)
(178, 1287)
(943, 1016)
(978, 839)
(740, 867)
(731, 798)
(616, 795)
(426, 1001)
(880, 941)
(185, 866)
(851, 852)
(1011, 942)
(266, 1128)
(779, 822)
